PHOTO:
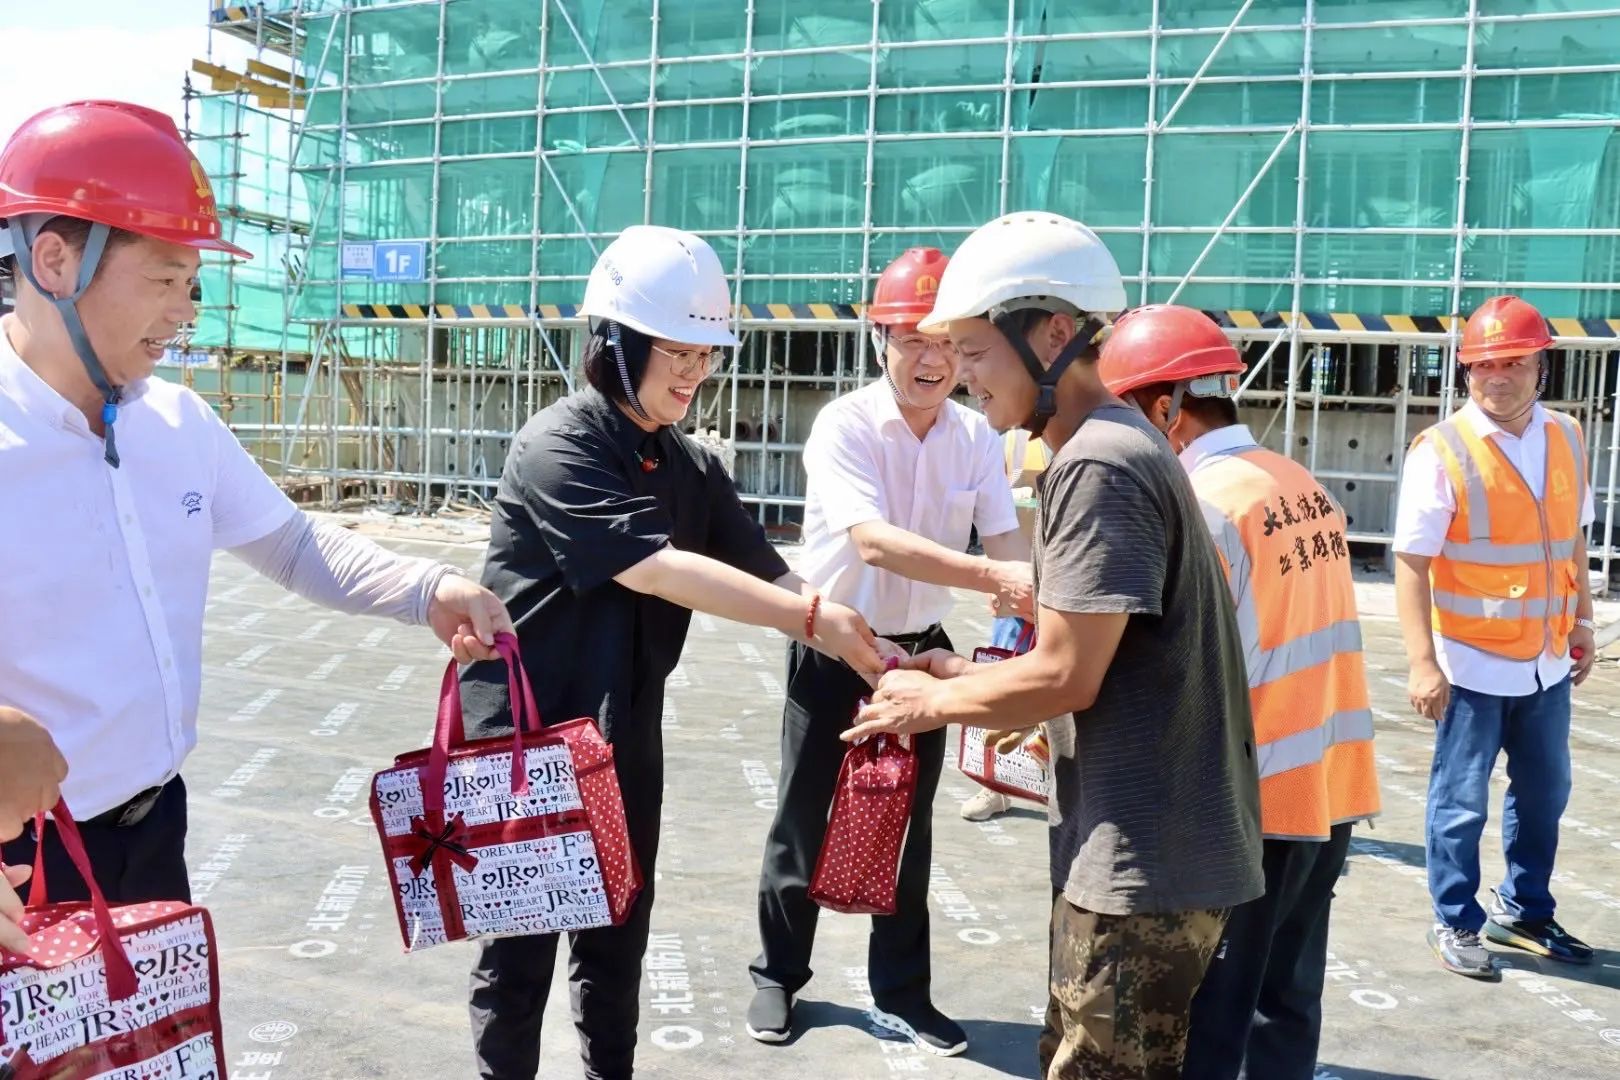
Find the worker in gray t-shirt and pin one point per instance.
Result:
(1155, 815)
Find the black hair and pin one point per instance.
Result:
(1214, 412)
(75, 232)
(1025, 321)
(602, 365)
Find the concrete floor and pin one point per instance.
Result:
(301, 706)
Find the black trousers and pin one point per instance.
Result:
(1258, 1012)
(821, 697)
(133, 864)
(511, 978)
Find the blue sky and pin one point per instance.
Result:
(134, 50)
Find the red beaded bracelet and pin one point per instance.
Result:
(810, 619)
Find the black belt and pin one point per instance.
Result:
(132, 812)
(910, 641)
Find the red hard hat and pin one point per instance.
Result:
(114, 163)
(1164, 343)
(905, 293)
(1501, 328)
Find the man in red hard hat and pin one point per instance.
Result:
(121, 486)
(1281, 539)
(1496, 611)
(898, 475)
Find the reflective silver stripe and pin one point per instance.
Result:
(1240, 579)
(1496, 607)
(1577, 454)
(1479, 510)
(1305, 651)
(1484, 553)
(1308, 747)
(1225, 535)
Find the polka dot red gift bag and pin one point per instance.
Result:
(860, 857)
(119, 991)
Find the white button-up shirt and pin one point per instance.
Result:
(864, 463)
(106, 572)
(1422, 517)
(1222, 440)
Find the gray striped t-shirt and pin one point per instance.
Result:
(1156, 803)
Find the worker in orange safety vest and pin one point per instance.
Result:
(1282, 542)
(1496, 611)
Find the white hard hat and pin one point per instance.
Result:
(663, 282)
(1031, 259)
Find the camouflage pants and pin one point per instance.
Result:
(1120, 990)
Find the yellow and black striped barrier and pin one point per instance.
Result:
(1347, 324)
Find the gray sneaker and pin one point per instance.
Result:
(985, 805)
(1462, 952)
(770, 1015)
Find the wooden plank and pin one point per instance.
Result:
(270, 71)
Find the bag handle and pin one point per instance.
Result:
(450, 730)
(121, 982)
(37, 895)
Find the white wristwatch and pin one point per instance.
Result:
(1587, 624)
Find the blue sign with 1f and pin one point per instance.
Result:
(399, 261)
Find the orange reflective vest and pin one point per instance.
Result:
(1025, 457)
(1282, 540)
(1507, 581)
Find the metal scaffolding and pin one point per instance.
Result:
(1440, 154)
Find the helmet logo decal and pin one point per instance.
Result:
(205, 190)
(1494, 328)
(927, 285)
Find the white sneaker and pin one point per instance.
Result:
(986, 805)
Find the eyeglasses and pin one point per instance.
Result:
(692, 363)
(915, 345)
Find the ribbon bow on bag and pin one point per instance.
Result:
(882, 772)
(450, 841)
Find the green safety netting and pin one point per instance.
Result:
(809, 211)
(246, 151)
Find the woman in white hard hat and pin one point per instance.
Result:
(610, 527)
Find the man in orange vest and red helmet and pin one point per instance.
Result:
(1281, 541)
(1496, 610)
(120, 486)
(897, 476)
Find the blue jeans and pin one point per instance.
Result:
(1534, 732)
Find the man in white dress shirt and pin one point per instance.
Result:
(898, 476)
(1496, 612)
(119, 487)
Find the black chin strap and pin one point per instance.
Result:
(1046, 378)
(624, 371)
(68, 308)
